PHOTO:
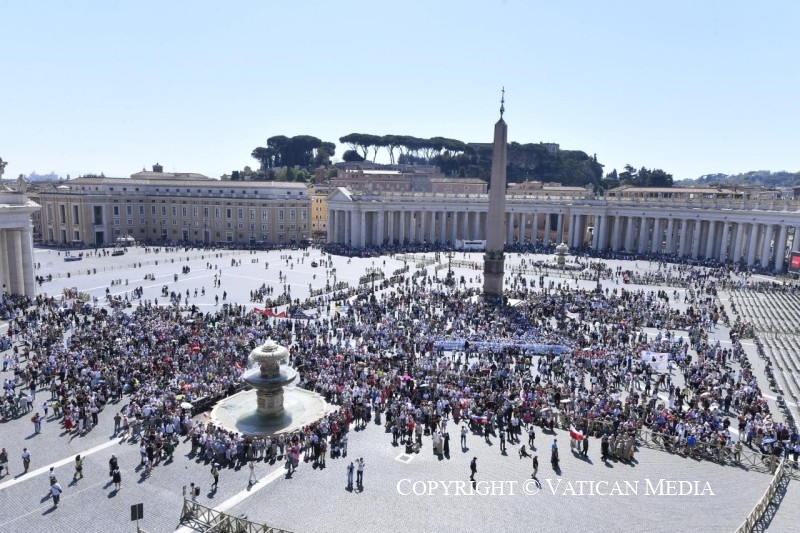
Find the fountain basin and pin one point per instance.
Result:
(240, 412)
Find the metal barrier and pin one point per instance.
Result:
(210, 520)
(763, 503)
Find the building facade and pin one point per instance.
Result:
(697, 223)
(160, 206)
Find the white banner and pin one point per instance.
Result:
(656, 360)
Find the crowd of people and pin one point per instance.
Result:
(428, 356)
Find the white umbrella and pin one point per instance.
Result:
(186, 405)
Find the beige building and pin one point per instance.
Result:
(319, 209)
(157, 206)
(402, 179)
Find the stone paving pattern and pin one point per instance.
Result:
(316, 499)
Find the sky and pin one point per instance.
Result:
(690, 87)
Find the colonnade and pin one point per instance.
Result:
(16, 261)
(723, 235)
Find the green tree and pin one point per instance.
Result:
(352, 156)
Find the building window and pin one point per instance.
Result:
(116, 210)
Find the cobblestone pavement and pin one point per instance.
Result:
(315, 499)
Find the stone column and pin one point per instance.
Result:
(381, 227)
(362, 229)
(752, 243)
(723, 246)
(682, 239)
(546, 237)
(766, 245)
(331, 226)
(346, 222)
(29, 276)
(796, 239)
(509, 219)
(14, 242)
(696, 234)
(5, 274)
(737, 249)
(710, 248)
(401, 226)
(560, 229)
(656, 242)
(642, 235)
(522, 228)
(465, 225)
(629, 234)
(670, 233)
(780, 248)
(616, 241)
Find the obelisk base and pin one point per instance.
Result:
(493, 269)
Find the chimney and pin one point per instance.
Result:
(158, 168)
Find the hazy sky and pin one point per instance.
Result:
(692, 87)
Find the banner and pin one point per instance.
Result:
(656, 360)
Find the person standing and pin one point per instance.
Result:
(26, 459)
(4, 461)
(360, 475)
(535, 466)
(253, 479)
(463, 437)
(585, 445)
(78, 468)
(37, 423)
(215, 474)
(116, 477)
(350, 469)
(55, 491)
(473, 468)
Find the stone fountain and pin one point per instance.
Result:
(272, 406)
(269, 377)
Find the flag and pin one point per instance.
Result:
(574, 433)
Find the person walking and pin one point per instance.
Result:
(463, 437)
(78, 468)
(26, 459)
(252, 467)
(215, 474)
(55, 492)
(473, 468)
(350, 469)
(535, 466)
(360, 475)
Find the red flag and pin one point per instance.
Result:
(574, 433)
(282, 314)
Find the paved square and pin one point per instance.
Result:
(416, 492)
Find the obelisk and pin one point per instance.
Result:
(493, 259)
